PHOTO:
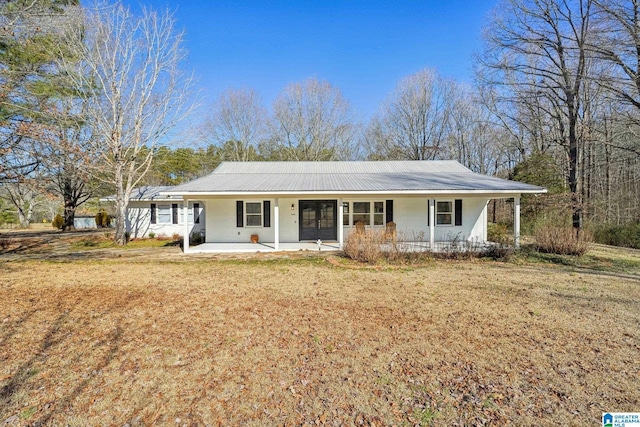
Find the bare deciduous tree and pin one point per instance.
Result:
(312, 121)
(237, 125)
(475, 140)
(539, 48)
(617, 44)
(137, 92)
(414, 121)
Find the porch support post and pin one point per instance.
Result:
(276, 225)
(339, 224)
(432, 223)
(516, 222)
(185, 225)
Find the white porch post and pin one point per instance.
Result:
(185, 224)
(432, 224)
(516, 221)
(276, 225)
(340, 225)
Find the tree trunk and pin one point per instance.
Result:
(69, 215)
(24, 219)
(576, 203)
(121, 209)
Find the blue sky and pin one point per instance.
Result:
(362, 47)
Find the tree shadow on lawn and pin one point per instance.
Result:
(56, 337)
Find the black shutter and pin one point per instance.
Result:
(458, 211)
(266, 213)
(153, 213)
(389, 213)
(239, 214)
(429, 213)
(174, 213)
(196, 213)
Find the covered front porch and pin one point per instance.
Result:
(264, 247)
(404, 246)
(418, 227)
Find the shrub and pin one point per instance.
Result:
(103, 220)
(195, 238)
(498, 252)
(58, 222)
(364, 246)
(627, 235)
(499, 233)
(562, 240)
(152, 235)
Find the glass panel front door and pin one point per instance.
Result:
(318, 220)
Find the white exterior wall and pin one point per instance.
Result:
(139, 220)
(409, 213)
(221, 222)
(474, 221)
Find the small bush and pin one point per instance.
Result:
(103, 220)
(627, 235)
(562, 241)
(152, 235)
(499, 233)
(195, 238)
(58, 222)
(176, 237)
(364, 246)
(498, 252)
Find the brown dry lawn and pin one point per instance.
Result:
(254, 342)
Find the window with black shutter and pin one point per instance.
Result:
(174, 213)
(153, 213)
(389, 212)
(458, 212)
(239, 213)
(266, 213)
(196, 213)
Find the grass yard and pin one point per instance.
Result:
(254, 342)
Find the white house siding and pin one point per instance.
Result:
(410, 216)
(473, 222)
(139, 220)
(221, 222)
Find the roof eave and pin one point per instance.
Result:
(368, 192)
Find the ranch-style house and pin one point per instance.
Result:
(287, 205)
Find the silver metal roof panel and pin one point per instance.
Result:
(375, 176)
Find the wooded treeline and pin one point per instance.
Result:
(555, 102)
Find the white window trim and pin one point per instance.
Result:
(371, 213)
(192, 212)
(159, 208)
(451, 212)
(246, 214)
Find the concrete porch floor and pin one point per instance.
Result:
(261, 247)
(334, 246)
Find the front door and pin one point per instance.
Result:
(318, 219)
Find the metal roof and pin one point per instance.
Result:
(150, 192)
(348, 177)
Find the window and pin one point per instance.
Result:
(444, 213)
(345, 213)
(253, 214)
(370, 213)
(193, 212)
(164, 214)
(378, 213)
(361, 212)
